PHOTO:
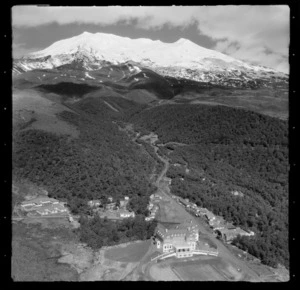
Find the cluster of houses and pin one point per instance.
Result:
(180, 240)
(223, 229)
(43, 206)
(112, 210)
(152, 206)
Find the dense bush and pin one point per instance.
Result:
(230, 149)
(98, 232)
(102, 162)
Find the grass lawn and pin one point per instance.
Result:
(205, 239)
(202, 273)
(169, 213)
(212, 269)
(131, 253)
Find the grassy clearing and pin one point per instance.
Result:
(131, 253)
(202, 273)
(159, 273)
(30, 104)
(207, 269)
(267, 102)
(206, 239)
(169, 213)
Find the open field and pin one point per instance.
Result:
(273, 103)
(32, 111)
(168, 213)
(159, 273)
(202, 273)
(131, 253)
(206, 239)
(209, 269)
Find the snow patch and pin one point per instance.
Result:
(145, 76)
(88, 76)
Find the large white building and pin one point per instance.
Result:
(180, 239)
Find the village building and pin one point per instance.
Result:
(209, 216)
(217, 222)
(184, 202)
(180, 239)
(237, 193)
(150, 206)
(110, 206)
(94, 203)
(39, 201)
(229, 234)
(52, 209)
(44, 206)
(126, 214)
(156, 196)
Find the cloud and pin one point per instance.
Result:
(19, 50)
(247, 32)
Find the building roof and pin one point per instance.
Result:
(184, 201)
(52, 207)
(39, 200)
(235, 231)
(210, 215)
(185, 229)
(124, 211)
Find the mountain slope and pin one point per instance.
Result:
(181, 59)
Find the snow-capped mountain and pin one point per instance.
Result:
(181, 59)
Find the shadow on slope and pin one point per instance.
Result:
(68, 89)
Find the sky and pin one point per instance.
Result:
(255, 34)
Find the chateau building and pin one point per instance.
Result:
(181, 239)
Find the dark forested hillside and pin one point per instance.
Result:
(230, 150)
(102, 162)
(97, 232)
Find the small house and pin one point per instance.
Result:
(210, 216)
(184, 202)
(110, 206)
(126, 214)
(229, 234)
(94, 203)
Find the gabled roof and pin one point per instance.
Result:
(39, 200)
(184, 229)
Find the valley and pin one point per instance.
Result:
(93, 132)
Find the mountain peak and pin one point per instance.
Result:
(183, 41)
(183, 58)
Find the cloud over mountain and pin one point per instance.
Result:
(259, 34)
